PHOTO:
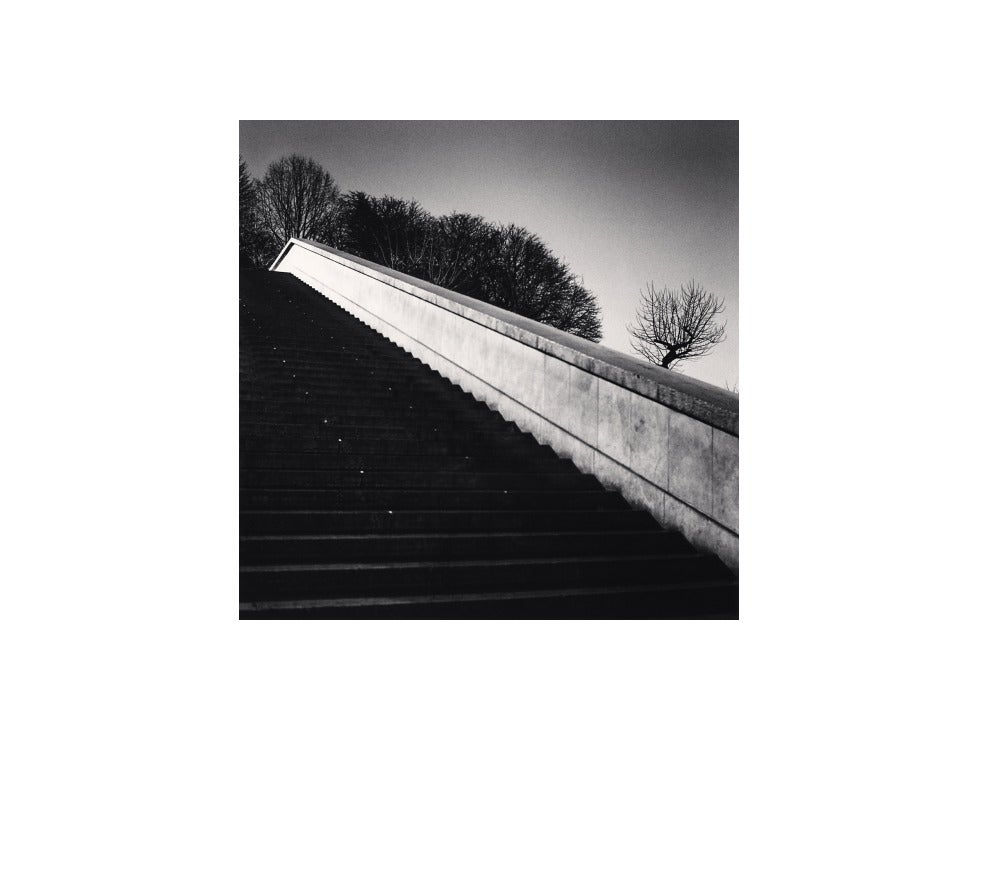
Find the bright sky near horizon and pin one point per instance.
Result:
(623, 203)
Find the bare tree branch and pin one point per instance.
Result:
(296, 198)
(676, 325)
(502, 264)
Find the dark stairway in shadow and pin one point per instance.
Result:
(372, 487)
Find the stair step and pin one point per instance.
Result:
(378, 522)
(285, 549)
(299, 411)
(365, 366)
(422, 463)
(336, 580)
(279, 478)
(445, 445)
(428, 499)
(286, 377)
(331, 432)
(705, 600)
(359, 398)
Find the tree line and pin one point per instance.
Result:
(500, 263)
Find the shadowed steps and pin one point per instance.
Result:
(372, 487)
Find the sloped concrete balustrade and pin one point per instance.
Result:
(668, 443)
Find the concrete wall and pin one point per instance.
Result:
(668, 443)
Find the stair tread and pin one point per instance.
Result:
(463, 563)
(484, 595)
(406, 536)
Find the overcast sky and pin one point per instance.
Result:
(623, 203)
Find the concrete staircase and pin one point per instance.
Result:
(373, 487)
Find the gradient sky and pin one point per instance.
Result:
(623, 203)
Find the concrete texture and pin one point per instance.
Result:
(648, 440)
(726, 479)
(668, 443)
(690, 461)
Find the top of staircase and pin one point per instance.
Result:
(700, 400)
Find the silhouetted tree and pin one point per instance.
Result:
(676, 325)
(296, 199)
(576, 311)
(249, 235)
(522, 275)
(462, 245)
(505, 265)
(387, 230)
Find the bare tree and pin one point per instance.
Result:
(247, 215)
(460, 247)
(676, 325)
(256, 248)
(296, 198)
(386, 230)
(521, 274)
(575, 310)
(505, 265)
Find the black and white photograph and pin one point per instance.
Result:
(489, 369)
(405, 542)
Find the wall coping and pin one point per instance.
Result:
(692, 397)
